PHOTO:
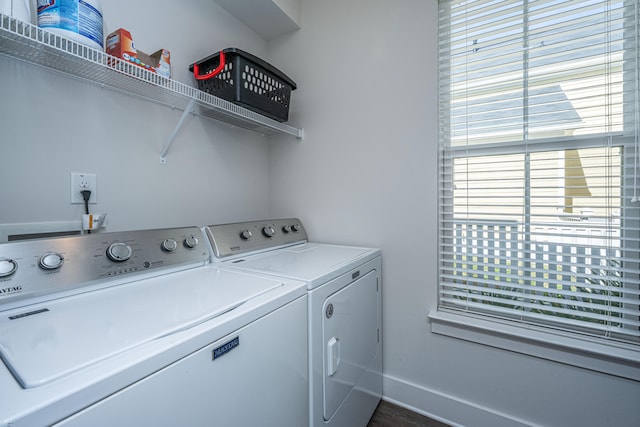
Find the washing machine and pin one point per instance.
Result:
(138, 328)
(344, 309)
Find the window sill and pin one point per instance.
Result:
(613, 359)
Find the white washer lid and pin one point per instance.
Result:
(308, 262)
(77, 331)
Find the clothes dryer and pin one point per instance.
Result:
(344, 310)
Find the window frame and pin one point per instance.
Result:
(557, 346)
(547, 342)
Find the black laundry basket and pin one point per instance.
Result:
(244, 79)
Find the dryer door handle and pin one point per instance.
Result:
(333, 356)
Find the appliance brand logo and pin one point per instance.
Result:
(10, 290)
(225, 348)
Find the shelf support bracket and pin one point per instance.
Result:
(167, 144)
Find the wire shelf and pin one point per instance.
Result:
(26, 42)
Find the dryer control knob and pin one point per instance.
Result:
(7, 267)
(191, 241)
(245, 235)
(295, 227)
(169, 245)
(268, 231)
(51, 261)
(119, 252)
(286, 229)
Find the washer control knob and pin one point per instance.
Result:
(286, 229)
(51, 261)
(245, 235)
(169, 245)
(119, 252)
(7, 267)
(191, 241)
(268, 231)
(295, 227)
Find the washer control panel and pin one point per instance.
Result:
(31, 268)
(243, 237)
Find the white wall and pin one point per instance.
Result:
(51, 125)
(366, 173)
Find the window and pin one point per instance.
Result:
(539, 192)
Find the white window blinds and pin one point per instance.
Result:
(539, 122)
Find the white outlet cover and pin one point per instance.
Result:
(83, 181)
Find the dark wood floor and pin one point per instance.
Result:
(390, 415)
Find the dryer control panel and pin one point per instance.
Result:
(244, 237)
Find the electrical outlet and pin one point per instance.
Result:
(80, 182)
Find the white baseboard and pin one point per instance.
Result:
(442, 407)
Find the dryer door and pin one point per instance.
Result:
(350, 337)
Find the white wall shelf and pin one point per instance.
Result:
(31, 44)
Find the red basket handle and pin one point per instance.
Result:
(210, 74)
